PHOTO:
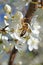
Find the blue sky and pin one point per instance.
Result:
(1, 13)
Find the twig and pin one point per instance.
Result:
(30, 12)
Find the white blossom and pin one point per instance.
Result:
(17, 20)
(35, 32)
(4, 38)
(6, 22)
(32, 43)
(34, 23)
(7, 8)
(36, 26)
(19, 38)
(16, 24)
(20, 46)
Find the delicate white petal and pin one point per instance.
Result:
(26, 4)
(29, 42)
(33, 43)
(4, 38)
(19, 15)
(36, 47)
(36, 26)
(34, 19)
(16, 36)
(30, 48)
(36, 40)
(6, 22)
(35, 32)
(7, 8)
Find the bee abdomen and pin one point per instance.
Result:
(22, 33)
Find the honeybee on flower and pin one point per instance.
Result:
(22, 31)
(14, 23)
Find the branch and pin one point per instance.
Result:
(30, 12)
(12, 56)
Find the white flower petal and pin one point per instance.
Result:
(16, 36)
(29, 41)
(19, 15)
(7, 8)
(35, 32)
(26, 4)
(6, 22)
(36, 40)
(36, 26)
(33, 43)
(36, 47)
(20, 39)
(30, 48)
(4, 38)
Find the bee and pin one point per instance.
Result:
(24, 29)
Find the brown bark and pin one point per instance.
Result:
(30, 12)
(12, 56)
(41, 2)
